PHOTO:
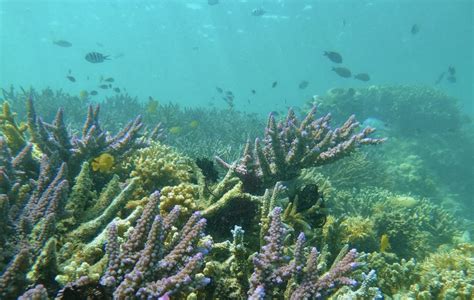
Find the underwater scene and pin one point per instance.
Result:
(236, 149)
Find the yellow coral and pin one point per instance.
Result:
(103, 163)
(183, 194)
(11, 131)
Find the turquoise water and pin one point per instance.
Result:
(181, 50)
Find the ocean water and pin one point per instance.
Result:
(180, 50)
(211, 72)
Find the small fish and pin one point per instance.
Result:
(110, 79)
(175, 130)
(415, 29)
(104, 86)
(94, 93)
(384, 243)
(103, 163)
(194, 124)
(83, 95)
(343, 72)
(96, 57)
(362, 77)
(258, 12)
(254, 92)
(440, 78)
(117, 90)
(303, 84)
(333, 56)
(71, 78)
(452, 70)
(219, 90)
(212, 2)
(62, 43)
(274, 84)
(229, 93)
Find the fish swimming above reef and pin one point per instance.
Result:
(343, 72)
(303, 84)
(254, 92)
(94, 93)
(117, 90)
(274, 84)
(71, 78)
(333, 56)
(219, 90)
(62, 43)
(103, 163)
(96, 57)
(415, 29)
(104, 86)
(212, 2)
(362, 77)
(110, 79)
(258, 12)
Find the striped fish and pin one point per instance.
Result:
(96, 57)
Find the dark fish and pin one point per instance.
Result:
(452, 71)
(71, 78)
(229, 93)
(110, 79)
(104, 86)
(274, 84)
(208, 169)
(219, 90)
(333, 56)
(258, 12)
(415, 29)
(451, 79)
(362, 77)
(343, 72)
(303, 84)
(117, 90)
(62, 43)
(93, 93)
(440, 77)
(212, 2)
(254, 92)
(96, 57)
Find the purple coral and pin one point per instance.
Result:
(291, 145)
(155, 261)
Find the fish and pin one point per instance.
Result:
(303, 84)
(343, 72)
(254, 92)
(96, 57)
(384, 243)
(212, 2)
(333, 56)
(104, 86)
(71, 78)
(83, 95)
(194, 124)
(175, 130)
(362, 77)
(440, 78)
(94, 93)
(274, 84)
(117, 90)
(152, 106)
(229, 93)
(219, 90)
(103, 163)
(110, 79)
(258, 12)
(415, 29)
(62, 43)
(452, 70)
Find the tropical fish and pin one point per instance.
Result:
(274, 84)
(303, 84)
(117, 90)
(415, 29)
(258, 12)
(194, 124)
(362, 77)
(62, 43)
(343, 72)
(104, 86)
(254, 92)
(219, 90)
(94, 93)
(96, 57)
(110, 79)
(152, 105)
(176, 130)
(333, 56)
(384, 243)
(83, 95)
(71, 78)
(103, 163)
(212, 2)
(452, 70)
(229, 93)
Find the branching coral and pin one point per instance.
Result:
(291, 145)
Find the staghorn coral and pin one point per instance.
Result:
(291, 145)
(13, 133)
